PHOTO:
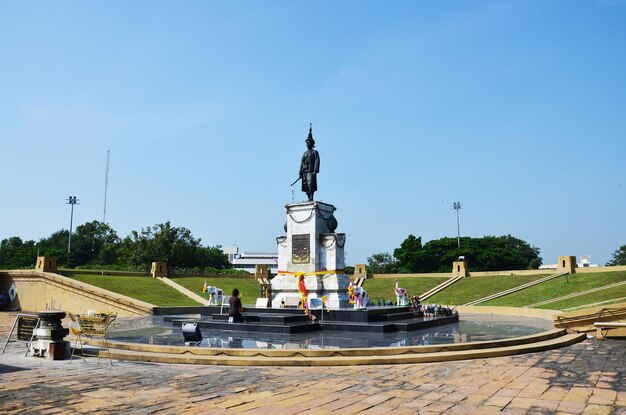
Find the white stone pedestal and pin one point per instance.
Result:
(311, 247)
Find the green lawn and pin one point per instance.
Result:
(574, 306)
(561, 286)
(474, 288)
(249, 287)
(146, 289)
(384, 287)
(617, 293)
(155, 292)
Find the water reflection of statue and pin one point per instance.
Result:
(309, 167)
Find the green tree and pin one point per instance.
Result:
(438, 254)
(410, 255)
(489, 253)
(210, 257)
(619, 257)
(15, 253)
(94, 243)
(175, 245)
(381, 263)
(55, 245)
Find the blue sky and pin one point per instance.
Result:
(517, 109)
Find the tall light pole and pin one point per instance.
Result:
(457, 206)
(106, 188)
(72, 200)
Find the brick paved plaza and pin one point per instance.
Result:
(588, 377)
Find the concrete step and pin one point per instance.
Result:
(338, 357)
(270, 318)
(516, 289)
(257, 327)
(410, 325)
(396, 316)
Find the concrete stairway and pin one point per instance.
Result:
(183, 290)
(583, 320)
(516, 289)
(578, 294)
(45, 290)
(440, 287)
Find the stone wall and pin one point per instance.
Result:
(66, 271)
(500, 273)
(38, 291)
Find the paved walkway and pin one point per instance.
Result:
(589, 377)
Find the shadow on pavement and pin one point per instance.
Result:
(11, 369)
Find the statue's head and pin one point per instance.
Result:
(310, 142)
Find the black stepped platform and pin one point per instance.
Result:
(372, 314)
(402, 315)
(292, 321)
(417, 323)
(286, 328)
(270, 318)
(423, 323)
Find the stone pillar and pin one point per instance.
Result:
(46, 264)
(360, 271)
(159, 269)
(566, 264)
(459, 268)
(262, 272)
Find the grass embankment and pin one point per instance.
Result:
(146, 289)
(248, 287)
(155, 292)
(474, 288)
(567, 285)
(383, 288)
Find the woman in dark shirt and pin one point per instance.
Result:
(235, 308)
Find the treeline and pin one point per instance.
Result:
(489, 253)
(96, 245)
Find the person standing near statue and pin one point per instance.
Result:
(310, 166)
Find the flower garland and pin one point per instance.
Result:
(351, 296)
(307, 274)
(325, 302)
(303, 293)
(205, 288)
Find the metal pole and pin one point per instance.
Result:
(72, 200)
(458, 230)
(457, 206)
(106, 188)
(69, 240)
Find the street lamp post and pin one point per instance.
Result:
(72, 200)
(457, 206)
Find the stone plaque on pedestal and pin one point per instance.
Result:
(300, 249)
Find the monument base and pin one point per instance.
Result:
(313, 250)
(332, 286)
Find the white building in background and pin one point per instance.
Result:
(231, 252)
(585, 262)
(247, 261)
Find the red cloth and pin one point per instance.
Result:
(301, 287)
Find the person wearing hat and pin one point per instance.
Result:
(309, 167)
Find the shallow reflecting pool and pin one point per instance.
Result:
(471, 327)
